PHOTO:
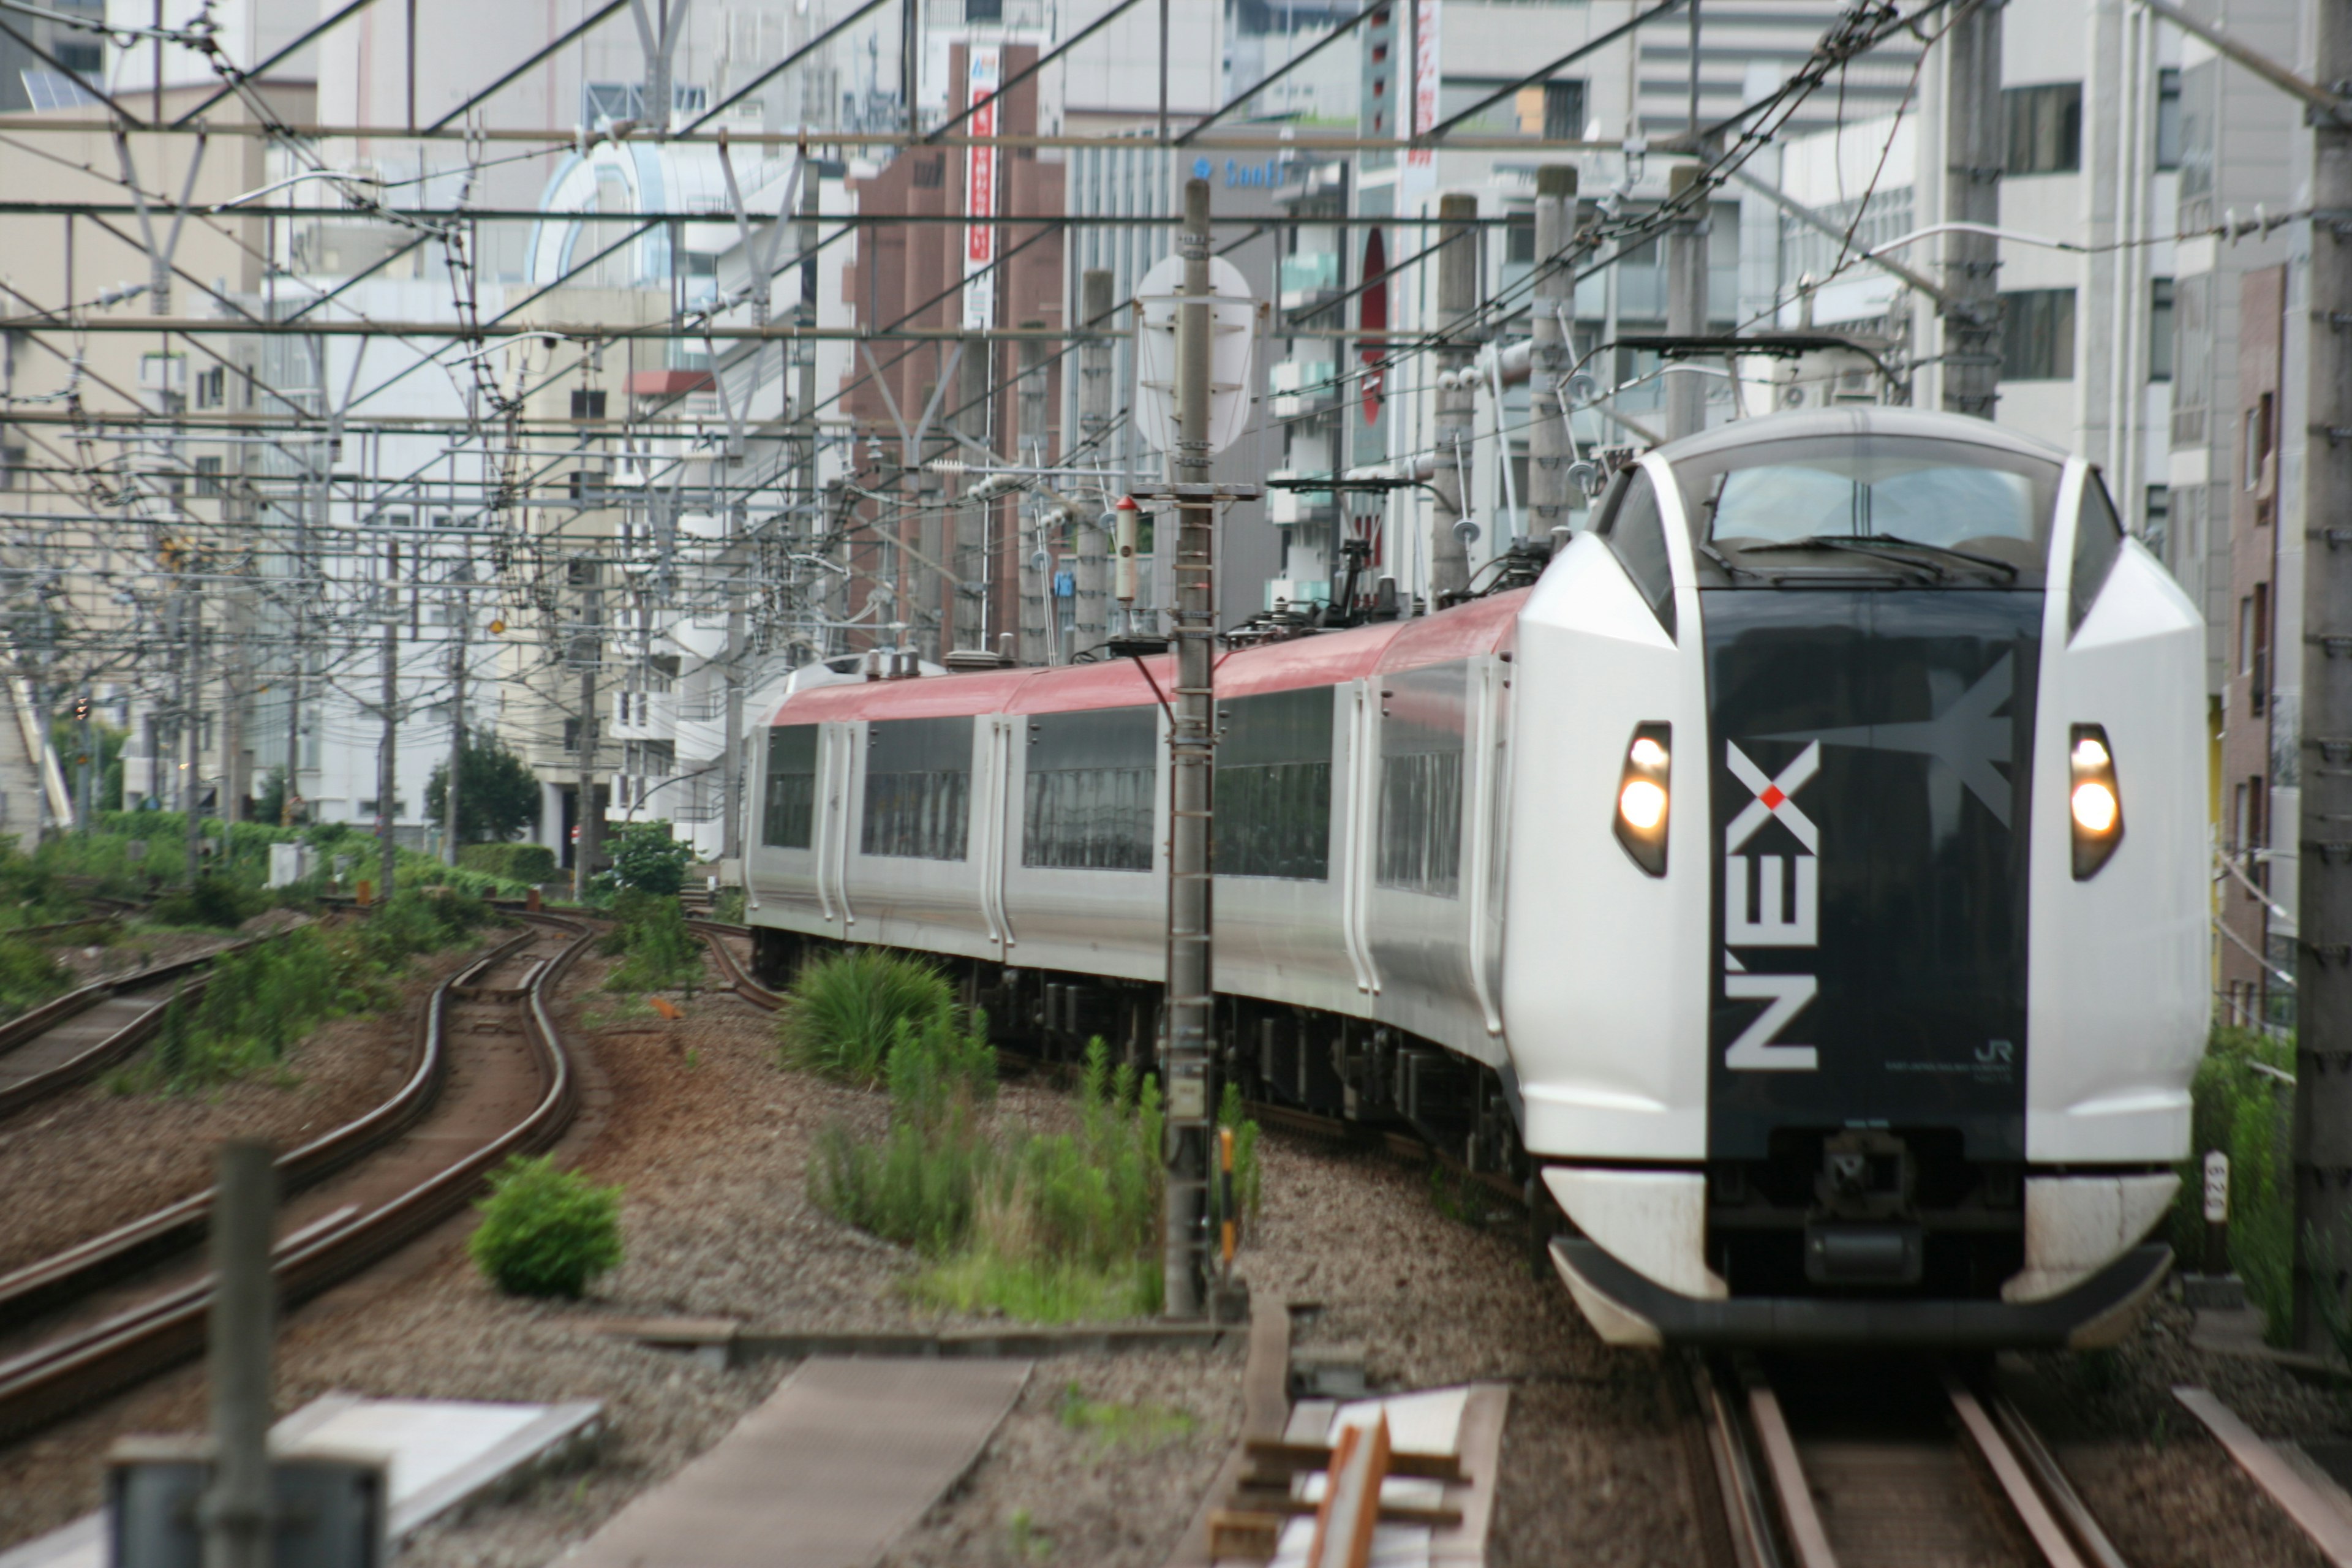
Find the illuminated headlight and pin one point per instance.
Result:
(1645, 794)
(2092, 800)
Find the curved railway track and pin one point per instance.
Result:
(71, 1038)
(1885, 1463)
(492, 1080)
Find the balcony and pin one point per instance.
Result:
(1299, 388)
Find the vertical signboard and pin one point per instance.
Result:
(982, 75)
(1419, 175)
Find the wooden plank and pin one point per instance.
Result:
(2303, 1502)
(1478, 1445)
(1351, 1508)
(838, 1463)
(1275, 1458)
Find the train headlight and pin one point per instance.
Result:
(1646, 796)
(2092, 800)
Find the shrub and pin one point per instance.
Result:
(727, 907)
(644, 857)
(916, 1185)
(513, 862)
(213, 901)
(545, 1232)
(2245, 1112)
(28, 975)
(659, 953)
(842, 1011)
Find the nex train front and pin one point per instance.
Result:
(1870, 1017)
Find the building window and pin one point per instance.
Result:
(571, 734)
(2258, 669)
(587, 404)
(1422, 714)
(917, 788)
(212, 387)
(2167, 117)
(1087, 800)
(1274, 786)
(14, 466)
(2037, 335)
(2159, 329)
(208, 472)
(2045, 128)
(2156, 531)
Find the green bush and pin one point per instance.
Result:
(528, 863)
(727, 907)
(546, 1232)
(645, 857)
(656, 952)
(2247, 1113)
(842, 1011)
(213, 901)
(28, 976)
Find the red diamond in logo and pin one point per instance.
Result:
(1772, 797)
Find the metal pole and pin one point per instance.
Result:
(1036, 584)
(1547, 357)
(1192, 751)
(1457, 295)
(1972, 165)
(387, 757)
(730, 816)
(974, 370)
(461, 613)
(2323, 1093)
(590, 649)
(1091, 615)
(193, 726)
(1685, 309)
(237, 1505)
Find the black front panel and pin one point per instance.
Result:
(1871, 764)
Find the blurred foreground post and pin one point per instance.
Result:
(236, 1506)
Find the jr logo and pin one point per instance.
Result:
(1787, 914)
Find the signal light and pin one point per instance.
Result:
(2092, 800)
(1645, 796)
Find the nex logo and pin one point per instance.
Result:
(1787, 910)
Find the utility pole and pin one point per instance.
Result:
(731, 819)
(1972, 168)
(235, 1516)
(2322, 1096)
(461, 616)
(1091, 616)
(1037, 562)
(590, 649)
(967, 597)
(1457, 295)
(1547, 354)
(192, 721)
(387, 756)
(1686, 307)
(1192, 751)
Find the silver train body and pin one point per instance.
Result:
(1799, 889)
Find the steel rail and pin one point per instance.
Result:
(41, 1384)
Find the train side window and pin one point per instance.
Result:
(1274, 786)
(1636, 530)
(788, 814)
(917, 788)
(2098, 540)
(1088, 799)
(1420, 779)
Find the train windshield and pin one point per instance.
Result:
(1874, 505)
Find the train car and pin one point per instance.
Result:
(1800, 888)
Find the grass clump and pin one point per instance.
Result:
(1043, 1226)
(213, 903)
(649, 936)
(29, 975)
(1142, 1426)
(2245, 1112)
(843, 1010)
(545, 1232)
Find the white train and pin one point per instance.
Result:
(1801, 886)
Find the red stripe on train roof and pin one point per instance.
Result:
(1484, 626)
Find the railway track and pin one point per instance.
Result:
(1884, 1463)
(69, 1039)
(492, 1080)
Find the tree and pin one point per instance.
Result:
(269, 805)
(644, 857)
(497, 794)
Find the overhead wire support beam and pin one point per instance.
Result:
(2330, 103)
(1326, 41)
(1814, 220)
